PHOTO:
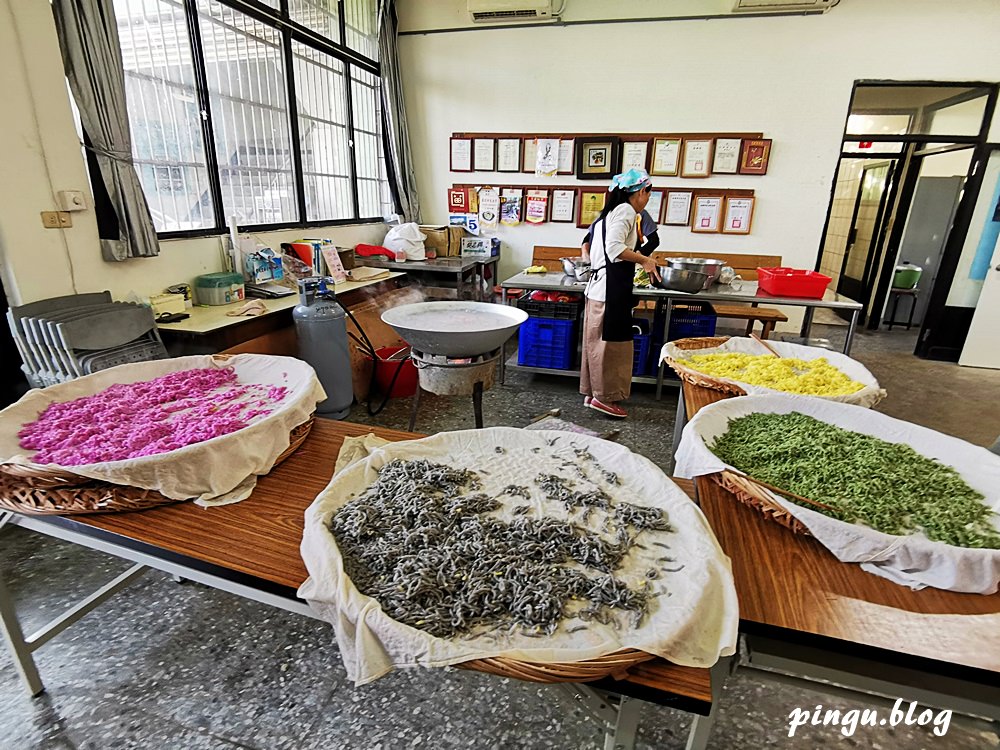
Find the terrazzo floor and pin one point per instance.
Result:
(178, 665)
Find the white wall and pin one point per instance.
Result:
(40, 155)
(790, 77)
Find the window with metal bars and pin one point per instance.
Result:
(263, 110)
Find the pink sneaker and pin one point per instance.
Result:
(612, 410)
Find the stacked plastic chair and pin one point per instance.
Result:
(63, 338)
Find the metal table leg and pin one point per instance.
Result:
(503, 346)
(807, 322)
(850, 331)
(414, 405)
(20, 649)
(666, 335)
(679, 421)
(477, 403)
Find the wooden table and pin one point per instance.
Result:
(252, 549)
(210, 329)
(792, 591)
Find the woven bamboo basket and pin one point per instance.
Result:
(752, 494)
(699, 378)
(615, 665)
(35, 491)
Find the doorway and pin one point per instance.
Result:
(868, 219)
(902, 191)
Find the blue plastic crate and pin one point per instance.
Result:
(640, 353)
(691, 319)
(547, 342)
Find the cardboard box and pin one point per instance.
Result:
(445, 240)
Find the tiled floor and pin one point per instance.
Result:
(168, 665)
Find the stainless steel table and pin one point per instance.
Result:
(460, 268)
(748, 293)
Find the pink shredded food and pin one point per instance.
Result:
(147, 418)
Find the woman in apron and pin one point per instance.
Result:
(606, 369)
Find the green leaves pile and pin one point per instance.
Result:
(887, 486)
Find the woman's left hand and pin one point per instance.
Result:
(649, 266)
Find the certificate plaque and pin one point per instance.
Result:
(563, 207)
(484, 154)
(508, 154)
(755, 156)
(461, 154)
(727, 155)
(697, 161)
(677, 208)
(591, 205)
(566, 153)
(529, 154)
(739, 215)
(707, 211)
(655, 206)
(666, 156)
(635, 155)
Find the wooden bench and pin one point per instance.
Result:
(768, 316)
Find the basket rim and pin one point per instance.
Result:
(615, 664)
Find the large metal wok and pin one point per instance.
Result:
(455, 329)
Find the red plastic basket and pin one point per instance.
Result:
(792, 282)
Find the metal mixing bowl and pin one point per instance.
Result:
(582, 271)
(702, 265)
(568, 265)
(681, 280)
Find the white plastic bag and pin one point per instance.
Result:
(408, 239)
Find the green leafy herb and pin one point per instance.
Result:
(887, 486)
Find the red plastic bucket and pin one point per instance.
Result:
(406, 382)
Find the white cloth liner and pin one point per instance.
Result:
(911, 560)
(692, 626)
(215, 471)
(868, 396)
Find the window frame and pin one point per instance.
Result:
(290, 30)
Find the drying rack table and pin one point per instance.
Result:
(211, 547)
(804, 613)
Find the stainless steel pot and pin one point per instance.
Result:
(681, 280)
(568, 265)
(582, 272)
(712, 268)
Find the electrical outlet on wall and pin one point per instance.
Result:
(56, 219)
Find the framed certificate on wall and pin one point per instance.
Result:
(666, 156)
(529, 154)
(707, 213)
(484, 154)
(697, 161)
(655, 206)
(738, 215)
(566, 152)
(755, 156)
(461, 154)
(591, 204)
(508, 154)
(727, 155)
(635, 155)
(563, 207)
(677, 207)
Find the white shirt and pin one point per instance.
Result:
(622, 236)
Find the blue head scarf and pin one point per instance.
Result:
(631, 181)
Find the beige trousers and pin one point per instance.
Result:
(606, 366)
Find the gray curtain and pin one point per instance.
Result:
(396, 133)
(92, 58)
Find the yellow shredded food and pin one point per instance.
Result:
(815, 377)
